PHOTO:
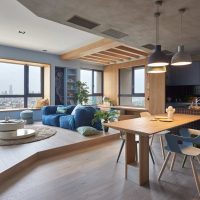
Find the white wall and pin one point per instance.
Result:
(41, 57)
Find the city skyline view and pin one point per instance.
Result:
(12, 79)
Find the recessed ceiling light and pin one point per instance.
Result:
(22, 32)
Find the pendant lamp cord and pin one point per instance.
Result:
(157, 28)
(157, 15)
(181, 27)
(181, 11)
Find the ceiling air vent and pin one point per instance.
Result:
(114, 33)
(82, 22)
(148, 46)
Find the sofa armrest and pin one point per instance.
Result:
(49, 110)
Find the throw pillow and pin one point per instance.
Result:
(42, 102)
(61, 110)
(78, 106)
(88, 131)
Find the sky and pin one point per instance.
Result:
(13, 74)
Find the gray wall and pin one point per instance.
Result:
(41, 57)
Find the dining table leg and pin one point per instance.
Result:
(137, 170)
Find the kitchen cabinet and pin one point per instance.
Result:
(183, 75)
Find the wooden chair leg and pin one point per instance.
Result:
(120, 151)
(184, 160)
(195, 175)
(151, 140)
(162, 147)
(163, 166)
(136, 152)
(172, 163)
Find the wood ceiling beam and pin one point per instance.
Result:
(132, 50)
(99, 57)
(100, 54)
(97, 60)
(114, 50)
(116, 55)
(100, 45)
(92, 61)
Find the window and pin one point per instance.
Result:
(94, 81)
(20, 85)
(132, 86)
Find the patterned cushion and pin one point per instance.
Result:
(88, 131)
(65, 109)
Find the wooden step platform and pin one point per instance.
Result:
(17, 157)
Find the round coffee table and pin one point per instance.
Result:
(14, 129)
(11, 125)
(18, 134)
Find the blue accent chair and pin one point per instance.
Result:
(182, 145)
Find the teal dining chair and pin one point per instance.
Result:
(182, 145)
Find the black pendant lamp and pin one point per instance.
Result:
(181, 57)
(157, 58)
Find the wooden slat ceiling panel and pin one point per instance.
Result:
(105, 52)
(129, 49)
(123, 53)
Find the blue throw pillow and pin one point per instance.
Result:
(88, 131)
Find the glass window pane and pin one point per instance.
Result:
(126, 81)
(11, 79)
(132, 101)
(34, 80)
(94, 100)
(97, 82)
(8, 103)
(139, 80)
(32, 101)
(86, 77)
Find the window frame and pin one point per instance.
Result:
(26, 94)
(133, 94)
(93, 93)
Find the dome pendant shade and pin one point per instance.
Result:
(157, 58)
(156, 70)
(181, 57)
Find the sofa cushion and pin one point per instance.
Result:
(67, 122)
(51, 120)
(88, 131)
(65, 109)
(83, 117)
(49, 110)
(77, 107)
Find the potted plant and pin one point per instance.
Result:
(82, 93)
(105, 117)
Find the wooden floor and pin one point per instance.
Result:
(12, 157)
(92, 174)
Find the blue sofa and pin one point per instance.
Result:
(83, 117)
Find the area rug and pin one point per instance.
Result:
(41, 134)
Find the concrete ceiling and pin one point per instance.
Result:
(40, 33)
(133, 17)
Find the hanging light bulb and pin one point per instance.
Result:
(181, 57)
(157, 58)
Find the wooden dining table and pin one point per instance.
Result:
(137, 170)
